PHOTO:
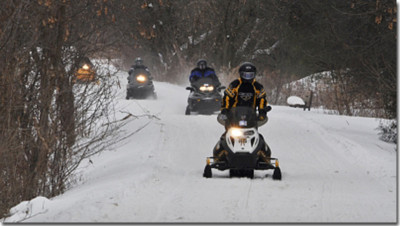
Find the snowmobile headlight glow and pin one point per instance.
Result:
(236, 132)
(85, 67)
(141, 78)
(204, 88)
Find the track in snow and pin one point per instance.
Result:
(334, 169)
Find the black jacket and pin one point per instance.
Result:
(241, 93)
(197, 73)
(138, 67)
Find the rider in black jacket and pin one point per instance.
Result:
(245, 91)
(138, 65)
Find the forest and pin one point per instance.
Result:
(47, 125)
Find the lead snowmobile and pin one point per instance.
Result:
(241, 144)
(205, 96)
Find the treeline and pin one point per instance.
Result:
(47, 122)
(287, 40)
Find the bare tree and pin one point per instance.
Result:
(50, 124)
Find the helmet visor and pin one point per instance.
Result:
(202, 65)
(248, 75)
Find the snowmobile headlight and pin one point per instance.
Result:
(204, 88)
(141, 78)
(85, 67)
(236, 132)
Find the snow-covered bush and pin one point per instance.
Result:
(388, 131)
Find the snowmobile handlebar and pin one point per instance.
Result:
(222, 120)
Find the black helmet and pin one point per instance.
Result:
(202, 64)
(138, 61)
(247, 71)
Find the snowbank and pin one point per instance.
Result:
(28, 209)
(295, 100)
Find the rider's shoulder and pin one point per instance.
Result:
(195, 69)
(258, 85)
(234, 83)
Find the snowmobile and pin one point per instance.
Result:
(140, 85)
(204, 97)
(85, 72)
(241, 144)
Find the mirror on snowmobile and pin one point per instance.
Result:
(221, 88)
(221, 119)
(262, 122)
(190, 88)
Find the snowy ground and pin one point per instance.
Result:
(335, 169)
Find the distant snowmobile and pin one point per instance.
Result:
(205, 96)
(242, 142)
(85, 72)
(140, 85)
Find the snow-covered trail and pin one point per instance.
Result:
(335, 169)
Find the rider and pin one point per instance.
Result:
(203, 71)
(138, 65)
(245, 91)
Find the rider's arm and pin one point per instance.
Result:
(215, 78)
(194, 75)
(261, 96)
(131, 70)
(230, 94)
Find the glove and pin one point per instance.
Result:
(223, 115)
(262, 114)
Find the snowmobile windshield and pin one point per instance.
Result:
(139, 72)
(86, 61)
(202, 81)
(243, 117)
